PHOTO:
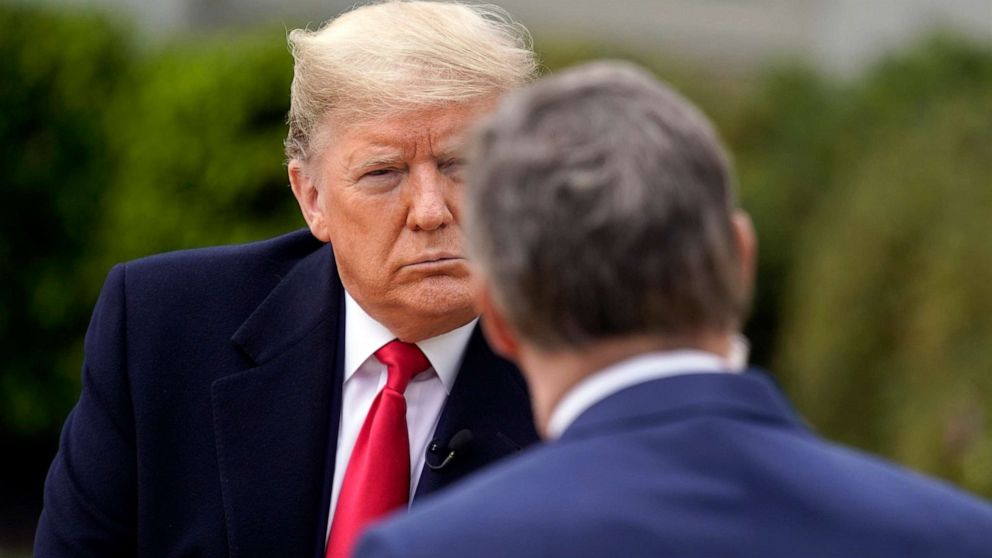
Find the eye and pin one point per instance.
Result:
(452, 167)
(378, 172)
(380, 179)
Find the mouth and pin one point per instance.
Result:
(436, 260)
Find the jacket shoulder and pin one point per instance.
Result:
(631, 494)
(280, 251)
(210, 282)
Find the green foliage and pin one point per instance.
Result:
(200, 136)
(785, 139)
(888, 315)
(55, 163)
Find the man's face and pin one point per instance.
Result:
(387, 195)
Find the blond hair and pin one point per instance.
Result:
(394, 56)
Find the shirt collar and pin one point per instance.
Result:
(446, 350)
(363, 336)
(639, 369)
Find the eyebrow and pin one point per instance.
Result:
(377, 162)
(451, 149)
(454, 152)
(456, 146)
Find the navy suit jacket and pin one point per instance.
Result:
(208, 417)
(701, 465)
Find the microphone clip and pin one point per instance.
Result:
(459, 444)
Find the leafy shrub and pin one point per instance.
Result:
(200, 135)
(57, 74)
(886, 334)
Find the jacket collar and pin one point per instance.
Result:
(750, 395)
(273, 423)
(490, 400)
(308, 295)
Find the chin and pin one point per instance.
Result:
(442, 296)
(429, 307)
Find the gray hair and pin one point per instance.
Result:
(393, 56)
(600, 205)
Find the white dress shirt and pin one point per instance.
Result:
(364, 377)
(640, 369)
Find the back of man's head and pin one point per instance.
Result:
(601, 206)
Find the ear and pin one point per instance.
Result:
(307, 193)
(747, 247)
(501, 336)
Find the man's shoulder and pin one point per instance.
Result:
(838, 496)
(629, 493)
(277, 252)
(889, 496)
(505, 511)
(228, 279)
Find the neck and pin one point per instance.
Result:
(411, 326)
(414, 331)
(553, 373)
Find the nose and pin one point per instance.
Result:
(428, 201)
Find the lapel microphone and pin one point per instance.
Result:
(458, 443)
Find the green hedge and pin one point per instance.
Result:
(870, 199)
(200, 135)
(886, 341)
(58, 76)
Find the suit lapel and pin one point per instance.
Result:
(273, 422)
(490, 400)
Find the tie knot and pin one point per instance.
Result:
(403, 361)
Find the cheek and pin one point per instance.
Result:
(361, 270)
(363, 250)
(359, 223)
(456, 199)
(359, 250)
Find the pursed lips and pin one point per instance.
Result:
(436, 258)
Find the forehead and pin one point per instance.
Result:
(437, 127)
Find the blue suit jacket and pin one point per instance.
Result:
(208, 418)
(702, 465)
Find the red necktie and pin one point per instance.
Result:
(377, 480)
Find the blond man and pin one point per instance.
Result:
(275, 398)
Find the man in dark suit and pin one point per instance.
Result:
(617, 273)
(274, 398)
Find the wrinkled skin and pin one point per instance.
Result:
(387, 194)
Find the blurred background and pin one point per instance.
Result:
(862, 133)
